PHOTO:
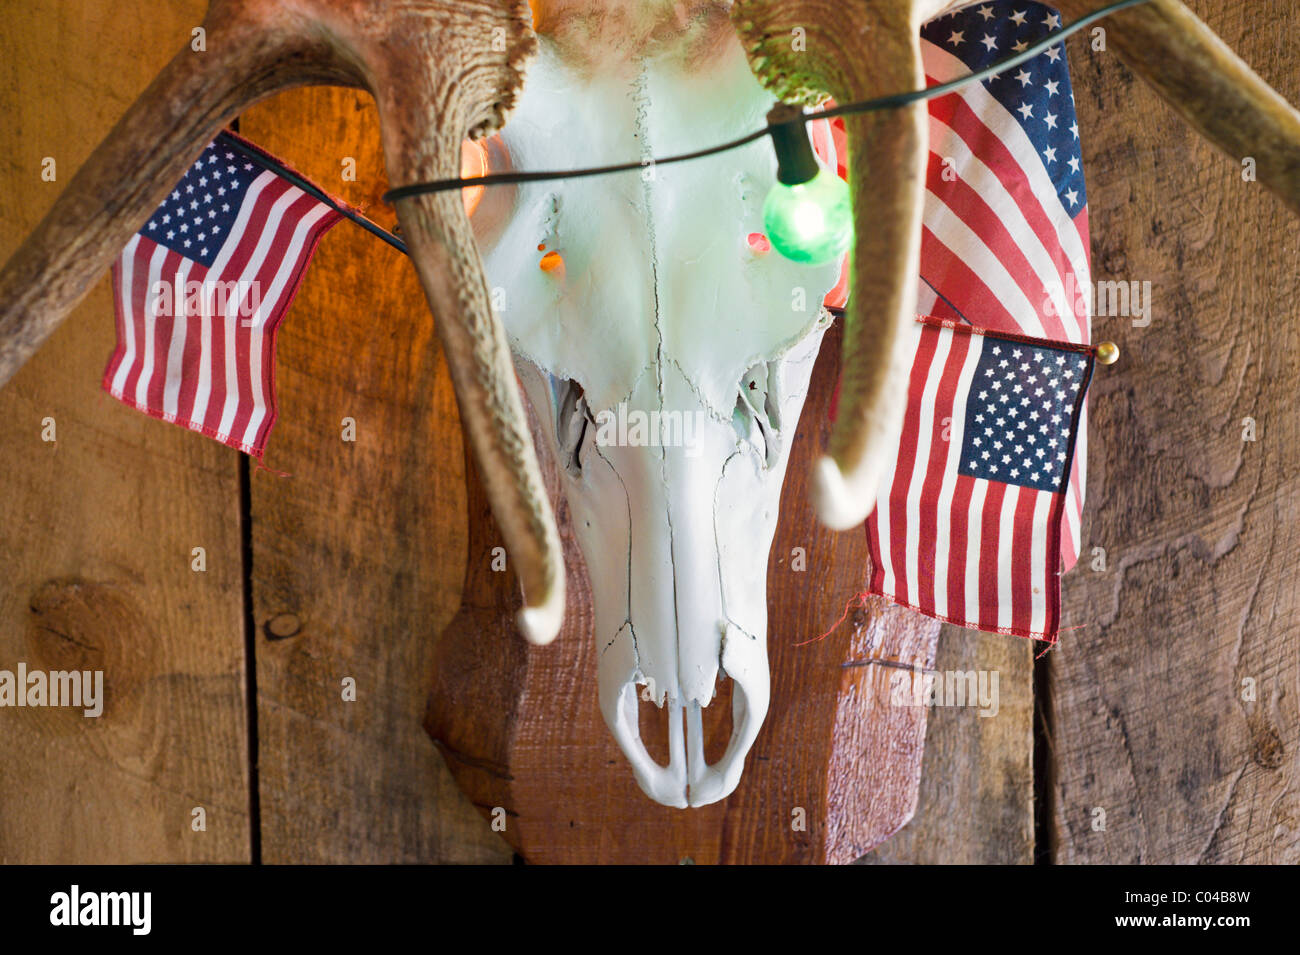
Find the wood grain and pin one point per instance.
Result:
(359, 553)
(1146, 711)
(96, 529)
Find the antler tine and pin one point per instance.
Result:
(438, 71)
(1191, 67)
(144, 155)
(1214, 90)
(887, 162)
(435, 81)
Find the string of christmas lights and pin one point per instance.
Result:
(892, 101)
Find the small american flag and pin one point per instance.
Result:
(202, 288)
(1004, 250)
(970, 529)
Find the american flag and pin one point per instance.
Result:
(202, 288)
(970, 529)
(1004, 250)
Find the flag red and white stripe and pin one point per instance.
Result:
(1005, 241)
(209, 365)
(949, 539)
(974, 525)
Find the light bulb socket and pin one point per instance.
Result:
(795, 161)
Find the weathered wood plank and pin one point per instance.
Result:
(96, 529)
(976, 803)
(1151, 713)
(360, 553)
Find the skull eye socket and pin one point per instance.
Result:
(757, 416)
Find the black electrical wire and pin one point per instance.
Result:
(289, 175)
(892, 101)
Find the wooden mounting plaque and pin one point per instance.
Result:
(834, 771)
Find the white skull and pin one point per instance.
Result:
(668, 364)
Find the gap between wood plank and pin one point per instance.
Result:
(250, 657)
(1044, 765)
(250, 647)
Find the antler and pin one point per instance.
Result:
(856, 50)
(860, 49)
(439, 71)
(1210, 86)
(430, 91)
(144, 155)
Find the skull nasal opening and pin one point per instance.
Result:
(653, 722)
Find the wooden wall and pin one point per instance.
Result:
(1148, 707)
(97, 528)
(224, 685)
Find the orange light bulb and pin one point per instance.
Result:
(473, 163)
(552, 262)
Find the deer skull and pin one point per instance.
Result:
(669, 362)
(659, 310)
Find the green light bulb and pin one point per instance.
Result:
(811, 223)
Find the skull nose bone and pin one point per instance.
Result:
(663, 784)
(688, 779)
